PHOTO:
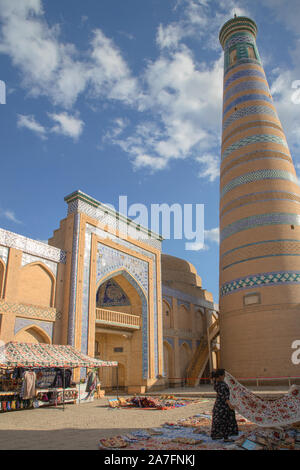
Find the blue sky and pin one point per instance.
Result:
(124, 97)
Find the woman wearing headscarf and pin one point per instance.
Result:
(224, 423)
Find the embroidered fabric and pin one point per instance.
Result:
(282, 411)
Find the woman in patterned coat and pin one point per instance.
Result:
(224, 423)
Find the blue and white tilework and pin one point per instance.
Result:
(73, 281)
(260, 280)
(33, 247)
(248, 97)
(248, 111)
(258, 176)
(253, 139)
(244, 73)
(244, 86)
(274, 218)
(257, 155)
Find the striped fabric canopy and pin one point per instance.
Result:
(14, 354)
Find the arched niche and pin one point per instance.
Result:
(36, 285)
(32, 334)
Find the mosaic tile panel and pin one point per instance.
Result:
(248, 111)
(254, 139)
(238, 39)
(33, 247)
(73, 281)
(4, 254)
(248, 97)
(109, 259)
(30, 311)
(21, 323)
(260, 280)
(27, 259)
(275, 218)
(258, 176)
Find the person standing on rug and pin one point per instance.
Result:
(224, 423)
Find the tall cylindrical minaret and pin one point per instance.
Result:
(259, 219)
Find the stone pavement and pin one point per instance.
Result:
(80, 427)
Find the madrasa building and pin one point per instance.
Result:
(102, 285)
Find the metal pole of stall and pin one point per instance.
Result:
(64, 384)
(118, 381)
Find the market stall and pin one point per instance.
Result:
(35, 374)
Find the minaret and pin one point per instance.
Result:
(259, 219)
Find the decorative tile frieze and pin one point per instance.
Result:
(274, 218)
(30, 311)
(33, 247)
(258, 176)
(248, 97)
(248, 111)
(254, 139)
(242, 74)
(260, 280)
(244, 86)
(73, 281)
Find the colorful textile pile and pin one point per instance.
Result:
(16, 354)
(171, 436)
(266, 413)
(146, 402)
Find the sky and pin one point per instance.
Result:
(124, 98)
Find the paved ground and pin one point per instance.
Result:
(81, 426)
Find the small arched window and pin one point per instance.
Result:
(251, 52)
(233, 57)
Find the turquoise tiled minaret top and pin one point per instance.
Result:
(238, 39)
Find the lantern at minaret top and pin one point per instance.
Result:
(259, 219)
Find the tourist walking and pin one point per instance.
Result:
(224, 423)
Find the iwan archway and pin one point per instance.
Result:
(122, 330)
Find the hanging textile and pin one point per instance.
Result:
(28, 388)
(280, 412)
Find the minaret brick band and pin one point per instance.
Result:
(259, 219)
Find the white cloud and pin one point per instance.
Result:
(212, 235)
(10, 215)
(57, 70)
(210, 167)
(184, 100)
(169, 36)
(30, 123)
(70, 126)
